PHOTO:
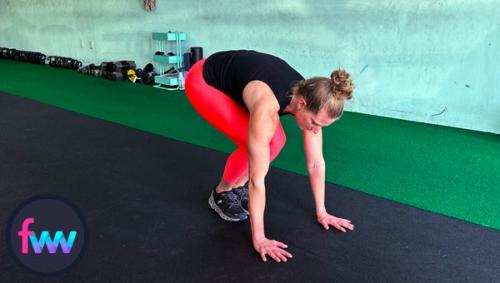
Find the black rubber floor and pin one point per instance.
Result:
(145, 201)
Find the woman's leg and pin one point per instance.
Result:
(220, 111)
(231, 119)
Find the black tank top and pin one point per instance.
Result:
(231, 71)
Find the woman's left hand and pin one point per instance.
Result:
(327, 220)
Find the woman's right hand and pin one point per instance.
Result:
(272, 248)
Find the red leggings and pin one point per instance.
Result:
(230, 118)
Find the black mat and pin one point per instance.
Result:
(145, 200)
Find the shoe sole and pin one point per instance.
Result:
(214, 206)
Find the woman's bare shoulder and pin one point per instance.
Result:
(258, 95)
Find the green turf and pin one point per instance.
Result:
(445, 170)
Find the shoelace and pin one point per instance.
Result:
(241, 192)
(231, 198)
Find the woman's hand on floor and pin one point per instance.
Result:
(274, 249)
(327, 220)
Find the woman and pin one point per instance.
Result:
(243, 94)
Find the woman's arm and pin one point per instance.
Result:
(313, 147)
(315, 163)
(264, 120)
(262, 126)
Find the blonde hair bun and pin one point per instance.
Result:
(342, 84)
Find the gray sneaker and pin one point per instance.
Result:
(227, 205)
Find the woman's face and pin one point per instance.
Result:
(307, 121)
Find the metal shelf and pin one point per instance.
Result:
(163, 39)
(167, 59)
(169, 36)
(172, 83)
